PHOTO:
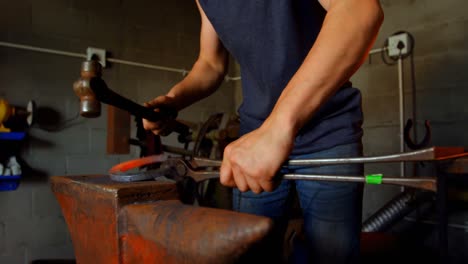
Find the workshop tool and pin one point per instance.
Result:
(200, 169)
(92, 90)
(142, 222)
(22, 115)
(5, 112)
(89, 105)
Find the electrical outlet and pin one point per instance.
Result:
(393, 43)
(99, 53)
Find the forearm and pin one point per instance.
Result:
(348, 32)
(201, 81)
(208, 71)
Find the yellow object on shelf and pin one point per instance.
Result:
(5, 112)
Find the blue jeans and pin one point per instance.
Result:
(331, 210)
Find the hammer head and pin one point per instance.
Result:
(89, 105)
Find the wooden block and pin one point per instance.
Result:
(118, 131)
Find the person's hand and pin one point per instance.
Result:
(165, 125)
(252, 161)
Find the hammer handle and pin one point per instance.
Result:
(106, 95)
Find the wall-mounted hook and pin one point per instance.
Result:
(408, 139)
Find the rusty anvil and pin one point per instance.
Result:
(143, 222)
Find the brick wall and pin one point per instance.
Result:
(166, 33)
(440, 66)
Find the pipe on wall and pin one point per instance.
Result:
(114, 60)
(125, 62)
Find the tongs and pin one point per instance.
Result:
(201, 169)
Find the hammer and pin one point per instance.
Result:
(92, 90)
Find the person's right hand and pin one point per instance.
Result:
(165, 125)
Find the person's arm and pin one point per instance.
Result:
(348, 31)
(204, 78)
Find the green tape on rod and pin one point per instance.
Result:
(374, 178)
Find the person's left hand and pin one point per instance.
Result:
(252, 161)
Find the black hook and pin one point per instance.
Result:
(409, 141)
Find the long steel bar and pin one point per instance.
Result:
(428, 154)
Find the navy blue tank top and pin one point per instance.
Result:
(270, 39)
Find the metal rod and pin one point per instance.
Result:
(42, 50)
(377, 50)
(114, 60)
(402, 114)
(125, 62)
(428, 154)
(426, 183)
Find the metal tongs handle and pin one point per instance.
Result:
(427, 154)
(425, 183)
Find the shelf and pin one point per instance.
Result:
(9, 183)
(10, 148)
(12, 135)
